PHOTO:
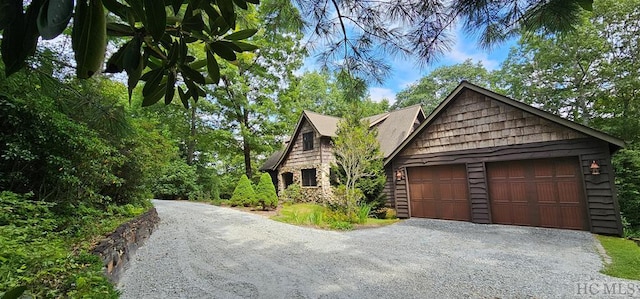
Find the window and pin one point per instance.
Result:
(287, 178)
(307, 141)
(309, 177)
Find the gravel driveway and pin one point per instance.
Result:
(203, 251)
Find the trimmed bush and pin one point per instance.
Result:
(243, 195)
(293, 194)
(266, 196)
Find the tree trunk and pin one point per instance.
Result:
(191, 141)
(246, 147)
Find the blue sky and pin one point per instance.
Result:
(405, 71)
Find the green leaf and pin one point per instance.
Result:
(246, 46)
(132, 55)
(198, 64)
(242, 34)
(137, 10)
(118, 29)
(586, 4)
(20, 38)
(170, 90)
(173, 54)
(227, 12)
(53, 17)
(183, 97)
(156, 18)
(223, 51)
(9, 10)
(14, 293)
(117, 8)
(115, 64)
(175, 5)
(194, 23)
(241, 3)
(134, 77)
(213, 68)
(153, 78)
(89, 37)
(193, 89)
(192, 74)
(154, 96)
(183, 51)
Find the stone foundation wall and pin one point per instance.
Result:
(117, 248)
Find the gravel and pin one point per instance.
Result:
(203, 251)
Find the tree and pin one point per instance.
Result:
(589, 76)
(323, 92)
(243, 195)
(250, 98)
(434, 87)
(356, 32)
(357, 35)
(266, 196)
(357, 154)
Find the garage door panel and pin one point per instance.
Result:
(439, 192)
(567, 192)
(416, 191)
(549, 216)
(542, 192)
(518, 191)
(546, 192)
(570, 217)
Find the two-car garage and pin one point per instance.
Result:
(537, 192)
(485, 158)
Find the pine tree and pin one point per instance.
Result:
(266, 193)
(243, 195)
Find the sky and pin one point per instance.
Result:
(405, 71)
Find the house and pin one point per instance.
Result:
(485, 158)
(307, 157)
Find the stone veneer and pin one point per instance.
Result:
(118, 247)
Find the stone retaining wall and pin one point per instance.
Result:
(117, 248)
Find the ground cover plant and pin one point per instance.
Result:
(310, 214)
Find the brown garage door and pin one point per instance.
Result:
(439, 192)
(542, 192)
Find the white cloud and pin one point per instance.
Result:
(466, 47)
(378, 94)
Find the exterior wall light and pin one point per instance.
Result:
(595, 168)
(399, 174)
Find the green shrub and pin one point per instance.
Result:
(363, 213)
(627, 166)
(243, 195)
(293, 194)
(178, 181)
(266, 196)
(48, 253)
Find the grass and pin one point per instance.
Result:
(625, 257)
(319, 216)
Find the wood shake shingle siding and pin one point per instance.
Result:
(476, 121)
(298, 156)
(476, 127)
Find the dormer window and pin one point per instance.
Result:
(307, 141)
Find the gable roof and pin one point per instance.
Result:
(397, 126)
(325, 125)
(393, 127)
(615, 142)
